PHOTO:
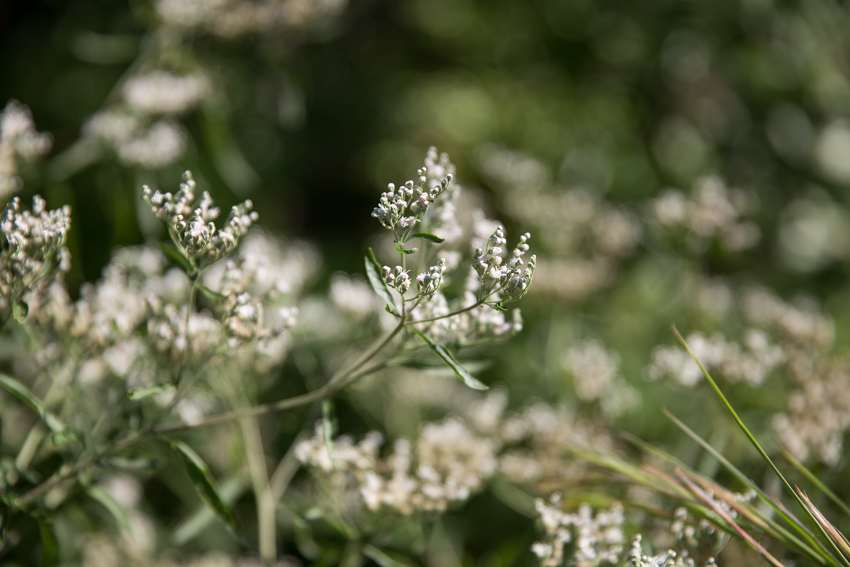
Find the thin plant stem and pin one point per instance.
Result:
(335, 384)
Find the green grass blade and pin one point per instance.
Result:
(762, 452)
(815, 480)
(809, 551)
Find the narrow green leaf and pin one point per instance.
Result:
(112, 506)
(780, 511)
(49, 545)
(815, 480)
(758, 447)
(452, 363)
(25, 395)
(204, 483)
(210, 294)
(148, 391)
(385, 558)
(194, 524)
(20, 310)
(373, 271)
(429, 237)
(404, 250)
(175, 256)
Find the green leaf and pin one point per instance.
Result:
(498, 307)
(384, 558)
(25, 395)
(204, 483)
(196, 523)
(176, 257)
(49, 545)
(148, 391)
(107, 501)
(404, 250)
(210, 294)
(429, 237)
(452, 363)
(373, 270)
(20, 310)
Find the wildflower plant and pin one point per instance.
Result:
(139, 343)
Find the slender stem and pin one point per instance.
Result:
(453, 313)
(267, 538)
(335, 384)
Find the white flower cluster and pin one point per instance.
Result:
(669, 558)
(18, 139)
(712, 211)
(353, 296)
(135, 139)
(401, 210)
(447, 463)
(596, 377)
(468, 328)
(234, 18)
(141, 129)
(802, 323)
(453, 458)
(427, 282)
(509, 278)
(191, 224)
(597, 539)
(751, 365)
(32, 247)
(817, 415)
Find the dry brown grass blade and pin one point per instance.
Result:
(833, 532)
(702, 495)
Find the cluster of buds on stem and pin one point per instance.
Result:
(396, 279)
(400, 209)
(429, 282)
(512, 278)
(191, 225)
(32, 247)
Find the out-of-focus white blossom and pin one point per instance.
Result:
(18, 140)
(32, 247)
(711, 211)
(751, 365)
(161, 92)
(596, 377)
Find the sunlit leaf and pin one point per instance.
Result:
(210, 294)
(148, 391)
(112, 506)
(175, 256)
(404, 250)
(204, 483)
(385, 558)
(20, 310)
(373, 271)
(49, 545)
(29, 398)
(452, 363)
(429, 237)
